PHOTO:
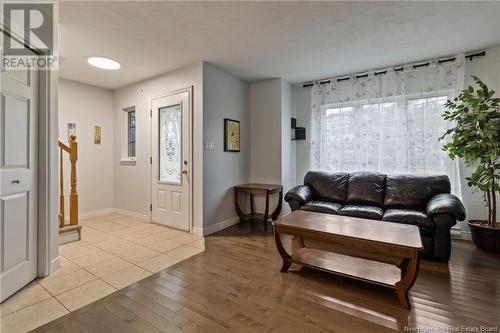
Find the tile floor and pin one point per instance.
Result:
(115, 251)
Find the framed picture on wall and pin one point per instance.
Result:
(97, 134)
(231, 135)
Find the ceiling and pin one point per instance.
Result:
(298, 41)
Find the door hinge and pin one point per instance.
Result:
(150, 160)
(150, 207)
(151, 112)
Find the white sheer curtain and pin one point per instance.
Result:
(388, 122)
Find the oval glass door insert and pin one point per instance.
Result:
(170, 144)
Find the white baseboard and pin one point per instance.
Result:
(108, 211)
(70, 234)
(95, 213)
(215, 227)
(466, 235)
(460, 234)
(197, 231)
(132, 214)
(55, 264)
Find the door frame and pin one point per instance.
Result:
(190, 114)
(47, 167)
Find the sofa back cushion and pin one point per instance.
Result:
(366, 188)
(327, 186)
(408, 191)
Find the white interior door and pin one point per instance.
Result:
(18, 180)
(171, 160)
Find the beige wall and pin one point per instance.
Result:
(87, 106)
(132, 182)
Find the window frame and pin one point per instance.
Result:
(400, 100)
(126, 158)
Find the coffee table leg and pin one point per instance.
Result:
(277, 211)
(287, 260)
(409, 270)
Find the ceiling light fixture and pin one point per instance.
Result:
(103, 63)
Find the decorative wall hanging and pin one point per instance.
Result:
(97, 134)
(231, 135)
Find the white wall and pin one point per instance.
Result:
(132, 182)
(302, 105)
(288, 153)
(272, 150)
(224, 96)
(87, 106)
(488, 70)
(265, 132)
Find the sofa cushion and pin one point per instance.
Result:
(366, 188)
(406, 191)
(327, 186)
(362, 211)
(408, 216)
(322, 207)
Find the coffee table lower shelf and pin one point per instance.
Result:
(399, 276)
(380, 273)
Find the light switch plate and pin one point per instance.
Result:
(209, 146)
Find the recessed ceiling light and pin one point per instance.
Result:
(103, 63)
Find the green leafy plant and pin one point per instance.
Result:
(476, 139)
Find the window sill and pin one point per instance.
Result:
(127, 162)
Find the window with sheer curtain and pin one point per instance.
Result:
(389, 123)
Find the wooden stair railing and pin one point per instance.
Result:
(72, 150)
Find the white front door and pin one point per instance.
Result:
(171, 160)
(18, 180)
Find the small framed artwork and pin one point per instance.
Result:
(231, 135)
(71, 130)
(97, 134)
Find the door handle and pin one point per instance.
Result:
(16, 181)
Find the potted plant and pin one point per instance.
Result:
(475, 138)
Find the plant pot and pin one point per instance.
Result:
(485, 237)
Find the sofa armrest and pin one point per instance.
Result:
(301, 194)
(445, 203)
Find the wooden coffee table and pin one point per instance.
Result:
(379, 252)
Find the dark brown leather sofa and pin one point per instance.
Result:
(424, 201)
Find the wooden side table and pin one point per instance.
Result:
(258, 189)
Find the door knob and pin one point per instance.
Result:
(16, 181)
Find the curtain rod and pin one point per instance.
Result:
(396, 69)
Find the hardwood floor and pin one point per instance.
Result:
(236, 286)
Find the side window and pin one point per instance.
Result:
(129, 136)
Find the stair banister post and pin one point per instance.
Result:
(61, 188)
(73, 209)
